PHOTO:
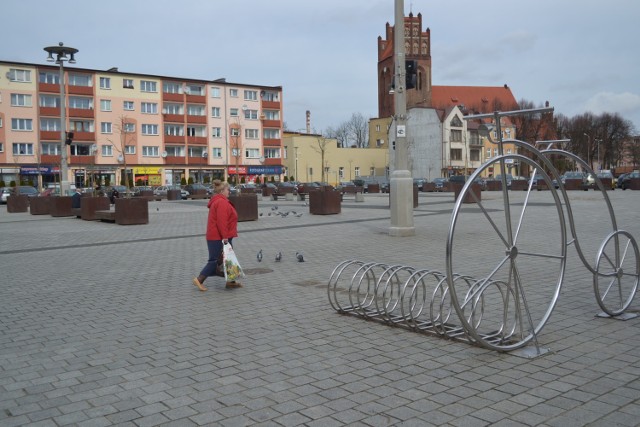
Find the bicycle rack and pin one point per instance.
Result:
(506, 305)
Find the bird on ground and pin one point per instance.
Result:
(259, 256)
(274, 208)
(269, 214)
(279, 257)
(293, 212)
(158, 209)
(299, 215)
(299, 257)
(260, 213)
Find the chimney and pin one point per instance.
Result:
(308, 121)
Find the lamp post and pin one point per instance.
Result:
(296, 160)
(588, 148)
(62, 53)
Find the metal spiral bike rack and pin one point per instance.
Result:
(505, 304)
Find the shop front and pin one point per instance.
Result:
(147, 175)
(250, 173)
(38, 176)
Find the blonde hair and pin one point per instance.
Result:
(219, 186)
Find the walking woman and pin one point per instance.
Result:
(222, 227)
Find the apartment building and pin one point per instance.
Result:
(155, 129)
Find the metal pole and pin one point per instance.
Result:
(401, 183)
(64, 183)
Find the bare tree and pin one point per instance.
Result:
(341, 134)
(125, 129)
(321, 146)
(358, 128)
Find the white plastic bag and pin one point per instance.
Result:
(232, 269)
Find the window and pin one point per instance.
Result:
(270, 96)
(79, 80)
(49, 148)
(272, 153)
(128, 105)
(216, 152)
(216, 132)
(372, 171)
(22, 148)
(105, 105)
(105, 83)
(271, 133)
(356, 171)
(150, 129)
(235, 132)
(215, 111)
(105, 127)
(148, 151)
(251, 95)
(474, 155)
(173, 109)
(22, 124)
(80, 150)
(49, 101)
(107, 150)
(19, 100)
(18, 75)
(175, 151)
(48, 124)
(174, 130)
(272, 114)
(80, 103)
(1, 147)
(81, 125)
(215, 92)
(129, 127)
(456, 135)
(148, 86)
(149, 108)
(196, 151)
(195, 110)
(233, 93)
(47, 77)
(488, 153)
(251, 114)
(233, 112)
(311, 171)
(196, 131)
(168, 87)
(456, 154)
(251, 133)
(129, 149)
(194, 90)
(127, 83)
(341, 172)
(377, 128)
(252, 153)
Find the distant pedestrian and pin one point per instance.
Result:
(75, 199)
(222, 227)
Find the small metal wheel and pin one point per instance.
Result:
(617, 271)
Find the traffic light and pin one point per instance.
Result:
(411, 70)
(69, 139)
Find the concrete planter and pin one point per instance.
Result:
(267, 191)
(324, 202)
(16, 204)
(634, 184)
(147, 194)
(174, 195)
(573, 184)
(132, 211)
(494, 185)
(246, 206)
(60, 206)
(39, 205)
(373, 188)
(475, 189)
(89, 206)
(519, 184)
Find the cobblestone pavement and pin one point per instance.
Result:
(100, 325)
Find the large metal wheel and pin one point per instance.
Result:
(517, 269)
(617, 271)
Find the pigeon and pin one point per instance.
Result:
(259, 256)
(278, 256)
(300, 257)
(269, 214)
(299, 215)
(293, 212)
(158, 209)
(274, 208)
(260, 213)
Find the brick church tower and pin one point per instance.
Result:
(417, 48)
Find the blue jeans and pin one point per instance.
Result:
(215, 252)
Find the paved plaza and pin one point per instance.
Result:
(100, 325)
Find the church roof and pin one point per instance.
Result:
(472, 99)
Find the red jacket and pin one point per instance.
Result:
(223, 219)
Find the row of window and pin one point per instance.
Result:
(24, 148)
(74, 79)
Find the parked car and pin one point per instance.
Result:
(440, 183)
(249, 187)
(419, 182)
(54, 190)
(288, 187)
(571, 175)
(162, 191)
(24, 190)
(194, 188)
(620, 180)
(626, 180)
(508, 177)
(4, 193)
(606, 175)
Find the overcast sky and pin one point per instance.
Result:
(580, 55)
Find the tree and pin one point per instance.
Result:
(125, 129)
(321, 145)
(358, 128)
(341, 134)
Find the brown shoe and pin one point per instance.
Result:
(233, 285)
(199, 285)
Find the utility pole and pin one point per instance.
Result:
(401, 182)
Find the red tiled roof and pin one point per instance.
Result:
(482, 99)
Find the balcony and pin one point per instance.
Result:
(82, 160)
(174, 139)
(50, 159)
(271, 105)
(83, 136)
(198, 160)
(50, 111)
(80, 90)
(198, 140)
(197, 119)
(50, 135)
(176, 118)
(175, 160)
(177, 97)
(87, 113)
(273, 162)
(271, 123)
(272, 142)
(49, 87)
(196, 99)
